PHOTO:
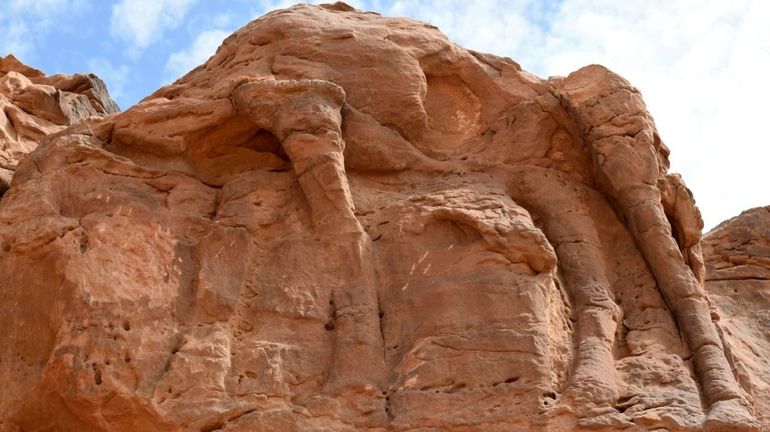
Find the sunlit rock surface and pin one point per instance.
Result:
(738, 281)
(33, 106)
(345, 222)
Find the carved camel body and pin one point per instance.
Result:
(305, 116)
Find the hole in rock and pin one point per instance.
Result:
(622, 406)
(674, 230)
(264, 141)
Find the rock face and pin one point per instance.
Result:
(738, 281)
(345, 222)
(33, 106)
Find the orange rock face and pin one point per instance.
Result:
(738, 281)
(33, 106)
(345, 222)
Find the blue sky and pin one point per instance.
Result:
(702, 65)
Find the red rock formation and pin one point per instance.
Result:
(737, 256)
(343, 222)
(33, 106)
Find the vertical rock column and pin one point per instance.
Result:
(573, 234)
(305, 117)
(622, 138)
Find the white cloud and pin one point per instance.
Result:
(701, 68)
(15, 40)
(489, 25)
(222, 19)
(143, 22)
(204, 46)
(23, 23)
(271, 5)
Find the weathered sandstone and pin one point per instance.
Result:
(346, 222)
(738, 281)
(33, 106)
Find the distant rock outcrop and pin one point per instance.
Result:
(33, 106)
(737, 254)
(346, 222)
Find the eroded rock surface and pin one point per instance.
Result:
(346, 222)
(33, 106)
(737, 256)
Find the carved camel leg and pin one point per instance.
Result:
(578, 248)
(623, 140)
(305, 116)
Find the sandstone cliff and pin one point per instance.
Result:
(33, 106)
(346, 222)
(738, 281)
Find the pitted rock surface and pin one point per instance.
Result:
(346, 222)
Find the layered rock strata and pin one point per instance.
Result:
(346, 222)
